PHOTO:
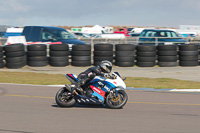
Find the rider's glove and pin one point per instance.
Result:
(107, 76)
(114, 76)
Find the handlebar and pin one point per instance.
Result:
(110, 76)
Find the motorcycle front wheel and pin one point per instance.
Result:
(118, 101)
(64, 98)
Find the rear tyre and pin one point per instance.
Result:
(118, 102)
(63, 99)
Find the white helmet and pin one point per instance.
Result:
(106, 66)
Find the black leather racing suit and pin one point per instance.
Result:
(88, 75)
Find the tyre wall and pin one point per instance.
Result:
(167, 55)
(2, 64)
(15, 56)
(199, 53)
(58, 55)
(146, 55)
(122, 55)
(125, 55)
(37, 55)
(81, 55)
(102, 52)
(188, 55)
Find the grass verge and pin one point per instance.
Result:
(58, 79)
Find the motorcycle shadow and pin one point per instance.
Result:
(83, 106)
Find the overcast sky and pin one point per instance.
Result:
(168, 13)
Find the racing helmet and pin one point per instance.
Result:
(106, 66)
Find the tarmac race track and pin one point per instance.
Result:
(32, 109)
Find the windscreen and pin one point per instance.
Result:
(62, 34)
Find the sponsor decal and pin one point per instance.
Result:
(78, 100)
(99, 91)
(100, 83)
(106, 87)
(92, 100)
(82, 99)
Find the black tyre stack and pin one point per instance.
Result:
(199, 53)
(37, 55)
(15, 55)
(125, 55)
(59, 55)
(2, 64)
(81, 55)
(103, 52)
(167, 55)
(146, 55)
(188, 55)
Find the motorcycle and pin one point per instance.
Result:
(108, 90)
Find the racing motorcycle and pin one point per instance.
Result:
(107, 91)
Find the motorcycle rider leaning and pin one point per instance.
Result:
(104, 68)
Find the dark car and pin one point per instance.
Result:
(49, 34)
(158, 36)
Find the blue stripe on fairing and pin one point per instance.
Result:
(98, 95)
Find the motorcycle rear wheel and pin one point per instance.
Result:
(63, 99)
(118, 102)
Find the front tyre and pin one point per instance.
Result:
(117, 102)
(64, 99)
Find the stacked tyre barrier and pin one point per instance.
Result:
(167, 55)
(37, 55)
(81, 55)
(125, 55)
(199, 53)
(59, 55)
(15, 56)
(2, 64)
(188, 55)
(103, 52)
(146, 55)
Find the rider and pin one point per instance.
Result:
(104, 68)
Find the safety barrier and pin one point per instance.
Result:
(58, 55)
(122, 55)
(81, 55)
(37, 55)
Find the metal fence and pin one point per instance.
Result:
(135, 40)
(127, 40)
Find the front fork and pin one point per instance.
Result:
(114, 93)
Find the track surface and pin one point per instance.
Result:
(32, 109)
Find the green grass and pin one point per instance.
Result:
(58, 79)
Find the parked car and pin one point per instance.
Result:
(152, 36)
(123, 31)
(49, 34)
